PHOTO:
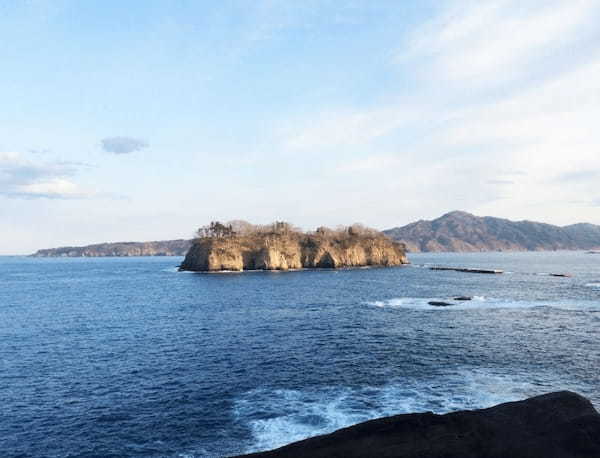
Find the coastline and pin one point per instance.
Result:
(559, 424)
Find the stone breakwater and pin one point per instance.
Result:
(292, 251)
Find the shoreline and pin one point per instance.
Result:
(304, 269)
(558, 424)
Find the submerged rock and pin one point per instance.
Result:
(555, 425)
(463, 298)
(440, 303)
(292, 250)
(469, 270)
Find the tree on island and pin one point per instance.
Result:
(215, 229)
(240, 228)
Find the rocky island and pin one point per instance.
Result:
(554, 425)
(238, 246)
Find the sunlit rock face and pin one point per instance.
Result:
(293, 250)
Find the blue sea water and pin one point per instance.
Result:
(126, 357)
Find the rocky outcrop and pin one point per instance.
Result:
(294, 250)
(555, 425)
(161, 248)
(460, 231)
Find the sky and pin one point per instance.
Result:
(143, 120)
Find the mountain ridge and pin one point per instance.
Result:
(460, 231)
(177, 247)
(454, 231)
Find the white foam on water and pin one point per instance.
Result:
(594, 285)
(278, 417)
(171, 269)
(477, 302)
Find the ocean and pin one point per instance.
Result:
(126, 357)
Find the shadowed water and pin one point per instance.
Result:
(127, 357)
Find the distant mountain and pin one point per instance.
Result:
(461, 231)
(160, 248)
(454, 231)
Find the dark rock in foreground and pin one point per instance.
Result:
(555, 425)
(469, 270)
(440, 303)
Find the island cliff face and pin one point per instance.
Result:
(292, 250)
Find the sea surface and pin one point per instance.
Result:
(126, 357)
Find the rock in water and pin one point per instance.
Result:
(555, 425)
(439, 303)
(293, 250)
(463, 298)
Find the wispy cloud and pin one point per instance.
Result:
(372, 164)
(345, 128)
(500, 182)
(578, 176)
(490, 42)
(498, 85)
(122, 145)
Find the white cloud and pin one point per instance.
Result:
(24, 178)
(59, 188)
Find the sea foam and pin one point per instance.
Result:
(278, 417)
(477, 302)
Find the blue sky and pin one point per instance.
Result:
(143, 120)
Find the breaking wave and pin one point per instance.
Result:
(279, 417)
(477, 302)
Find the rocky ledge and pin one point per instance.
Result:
(555, 425)
(281, 247)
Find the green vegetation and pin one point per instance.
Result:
(240, 228)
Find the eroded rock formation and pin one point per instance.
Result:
(292, 250)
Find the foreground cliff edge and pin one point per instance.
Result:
(241, 246)
(555, 425)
